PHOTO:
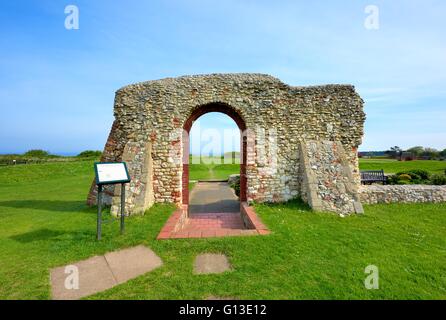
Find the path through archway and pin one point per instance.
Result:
(198, 112)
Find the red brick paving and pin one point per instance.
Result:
(214, 222)
(209, 225)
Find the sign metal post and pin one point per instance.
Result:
(99, 224)
(122, 207)
(110, 173)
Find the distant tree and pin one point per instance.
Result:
(416, 151)
(37, 153)
(431, 153)
(394, 152)
(90, 154)
(443, 153)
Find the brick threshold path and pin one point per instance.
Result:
(214, 211)
(208, 225)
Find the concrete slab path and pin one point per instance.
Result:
(211, 263)
(132, 262)
(212, 197)
(100, 273)
(81, 279)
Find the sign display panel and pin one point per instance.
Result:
(109, 173)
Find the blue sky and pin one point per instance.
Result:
(57, 86)
(214, 133)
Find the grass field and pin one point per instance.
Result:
(44, 223)
(394, 166)
(222, 171)
(211, 169)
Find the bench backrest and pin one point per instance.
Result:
(377, 175)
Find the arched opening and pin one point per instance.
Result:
(197, 113)
(235, 220)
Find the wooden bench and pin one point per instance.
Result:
(371, 176)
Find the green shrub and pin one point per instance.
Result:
(417, 176)
(37, 153)
(90, 154)
(413, 176)
(404, 177)
(236, 186)
(237, 189)
(423, 174)
(393, 179)
(438, 179)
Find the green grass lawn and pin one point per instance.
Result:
(44, 223)
(394, 166)
(211, 168)
(216, 170)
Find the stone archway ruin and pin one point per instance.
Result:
(299, 141)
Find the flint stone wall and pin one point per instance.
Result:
(277, 116)
(402, 193)
(328, 179)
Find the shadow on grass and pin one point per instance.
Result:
(49, 205)
(47, 234)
